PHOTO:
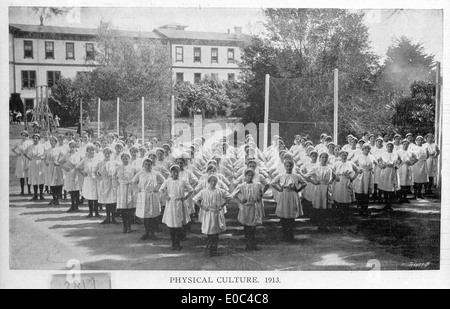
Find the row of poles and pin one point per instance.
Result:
(438, 115)
(118, 117)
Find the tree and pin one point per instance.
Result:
(305, 43)
(210, 97)
(406, 63)
(48, 12)
(65, 99)
(416, 113)
(132, 68)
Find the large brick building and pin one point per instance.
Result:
(40, 55)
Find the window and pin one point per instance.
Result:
(49, 50)
(29, 104)
(197, 77)
(214, 55)
(197, 54)
(90, 52)
(180, 78)
(70, 51)
(28, 49)
(179, 54)
(231, 77)
(53, 77)
(215, 76)
(28, 79)
(231, 55)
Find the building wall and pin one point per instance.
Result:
(189, 73)
(41, 65)
(205, 66)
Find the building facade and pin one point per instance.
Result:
(40, 55)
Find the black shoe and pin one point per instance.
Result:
(35, 198)
(388, 208)
(98, 215)
(70, 210)
(42, 198)
(90, 216)
(22, 194)
(214, 254)
(255, 248)
(107, 221)
(421, 197)
(113, 221)
(145, 237)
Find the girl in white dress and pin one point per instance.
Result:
(389, 183)
(343, 193)
(69, 163)
(148, 206)
(377, 151)
(251, 209)
(22, 164)
(176, 213)
(405, 170)
(87, 168)
(125, 192)
(364, 182)
(420, 169)
(54, 170)
(321, 177)
(212, 201)
(308, 193)
(432, 162)
(36, 173)
(107, 185)
(289, 206)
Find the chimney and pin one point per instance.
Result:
(238, 31)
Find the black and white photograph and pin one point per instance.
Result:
(242, 145)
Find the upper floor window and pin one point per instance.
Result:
(70, 51)
(28, 49)
(197, 54)
(214, 55)
(231, 55)
(90, 51)
(53, 77)
(28, 79)
(49, 50)
(231, 77)
(179, 54)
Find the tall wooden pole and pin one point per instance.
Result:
(81, 117)
(266, 113)
(172, 129)
(98, 118)
(143, 120)
(118, 115)
(47, 108)
(336, 106)
(438, 121)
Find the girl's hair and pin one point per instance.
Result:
(147, 160)
(249, 171)
(124, 155)
(24, 133)
(36, 135)
(52, 138)
(107, 149)
(72, 143)
(211, 177)
(174, 167)
(289, 161)
(89, 147)
(324, 154)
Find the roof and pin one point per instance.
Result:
(197, 35)
(78, 31)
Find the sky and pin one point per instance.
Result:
(421, 25)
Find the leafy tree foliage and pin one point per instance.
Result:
(416, 113)
(406, 63)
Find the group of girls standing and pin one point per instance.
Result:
(178, 184)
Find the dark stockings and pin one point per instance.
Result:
(250, 237)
